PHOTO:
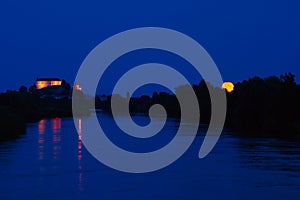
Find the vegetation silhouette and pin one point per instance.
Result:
(25, 106)
(267, 107)
(257, 107)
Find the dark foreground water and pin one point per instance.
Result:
(50, 162)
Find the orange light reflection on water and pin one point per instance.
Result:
(56, 125)
(55, 130)
(56, 138)
(41, 126)
(79, 145)
(41, 140)
(79, 154)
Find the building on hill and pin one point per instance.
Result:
(53, 88)
(41, 83)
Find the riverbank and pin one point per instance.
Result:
(12, 124)
(257, 107)
(19, 108)
(265, 107)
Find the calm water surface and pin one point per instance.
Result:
(50, 162)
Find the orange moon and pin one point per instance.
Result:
(228, 86)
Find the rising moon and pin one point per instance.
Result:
(228, 86)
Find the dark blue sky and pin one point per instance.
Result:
(51, 38)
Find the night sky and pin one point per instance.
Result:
(52, 38)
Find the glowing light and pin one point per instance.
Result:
(41, 84)
(77, 87)
(53, 83)
(56, 137)
(228, 86)
(79, 146)
(79, 126)
(46, 83)
(41, 140)
(41, 126)
(56, 125)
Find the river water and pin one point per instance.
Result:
(50, 162)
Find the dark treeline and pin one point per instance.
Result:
(265, 107)
(17, 108)
(168, 101)
(257, 107)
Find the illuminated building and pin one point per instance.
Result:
(47, 82)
